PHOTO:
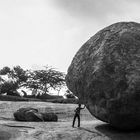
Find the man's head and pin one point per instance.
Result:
(79, 105)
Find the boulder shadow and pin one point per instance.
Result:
(116, 134)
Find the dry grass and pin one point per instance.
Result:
(53, 100)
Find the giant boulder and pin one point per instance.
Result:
(105, 75)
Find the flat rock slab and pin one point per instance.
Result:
(93, 130)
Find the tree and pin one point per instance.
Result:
(9, 87)
(37, 80)
(20, 75)
(46, 79)
(69, 94)
(17, 78)
(5, 70)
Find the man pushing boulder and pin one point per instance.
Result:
(77, 115)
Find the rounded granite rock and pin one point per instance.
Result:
(105, 75)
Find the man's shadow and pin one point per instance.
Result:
(105, 130)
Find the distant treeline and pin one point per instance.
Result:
(38, 81)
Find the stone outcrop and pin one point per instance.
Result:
(33, 115)
(105, 75)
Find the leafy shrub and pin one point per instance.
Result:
(70, 96)
(64, 101)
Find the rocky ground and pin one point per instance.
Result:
(91, 128)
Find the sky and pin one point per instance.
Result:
(36, 33)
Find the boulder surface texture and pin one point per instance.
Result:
(105, 75)
(33, 115)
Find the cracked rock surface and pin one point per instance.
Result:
(105, 75)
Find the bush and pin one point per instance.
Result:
(47, 96)
(70, 96)
(16, 98)
(64, 101)
(11, 98)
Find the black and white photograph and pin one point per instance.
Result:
(70, 70)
